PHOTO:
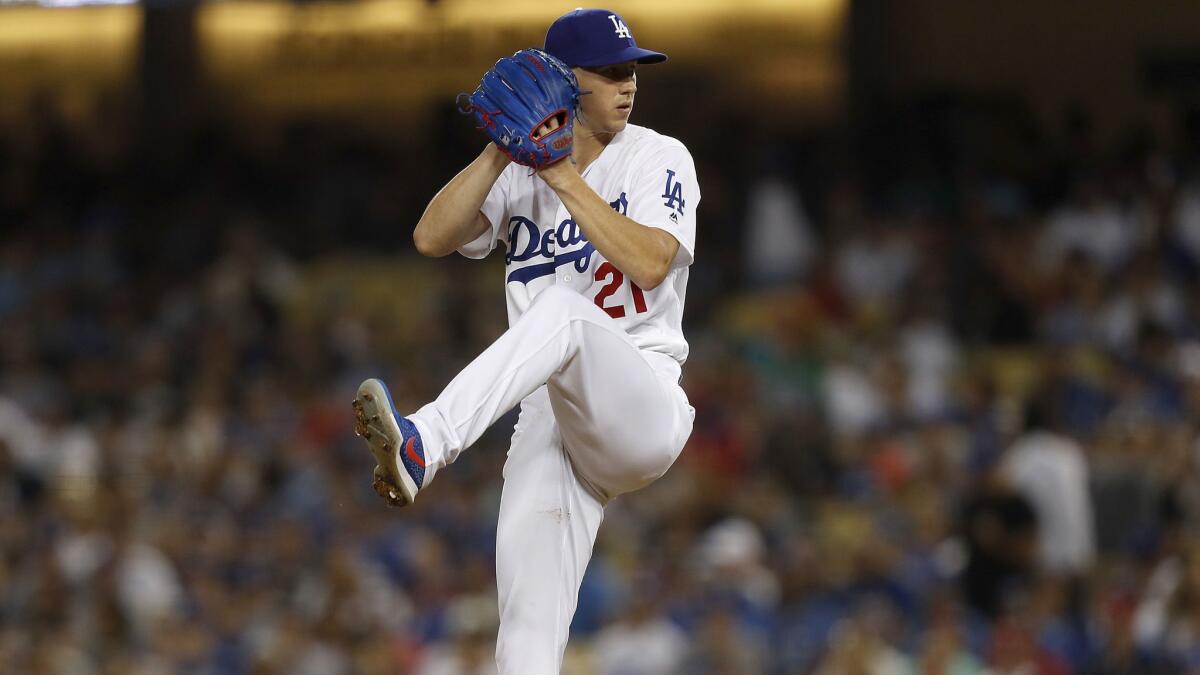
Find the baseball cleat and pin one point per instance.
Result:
(393, 440)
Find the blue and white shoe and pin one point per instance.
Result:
(393, 440)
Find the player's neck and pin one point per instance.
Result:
(588, 146)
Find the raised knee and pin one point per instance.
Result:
(651, 463)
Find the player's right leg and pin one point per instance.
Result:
(547, 525)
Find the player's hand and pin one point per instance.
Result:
(547, 128)
(559, 173)
(551, 125)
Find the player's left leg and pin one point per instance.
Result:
(620, 408)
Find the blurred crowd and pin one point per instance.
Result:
(947, 376)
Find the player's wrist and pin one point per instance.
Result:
(495, 157)
(559, 174)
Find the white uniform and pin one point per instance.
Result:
(594, 362)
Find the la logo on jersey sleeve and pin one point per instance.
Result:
(673, 194)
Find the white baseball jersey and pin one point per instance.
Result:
(642, 174)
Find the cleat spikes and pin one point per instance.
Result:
(398, 478)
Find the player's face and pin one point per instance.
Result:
(607, 108)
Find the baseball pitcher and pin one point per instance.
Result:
(598, 220)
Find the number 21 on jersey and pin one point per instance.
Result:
(615, 279)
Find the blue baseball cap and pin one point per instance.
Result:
(595, 37)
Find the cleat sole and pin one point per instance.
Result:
(374, 415)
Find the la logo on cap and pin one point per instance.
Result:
(621, 28)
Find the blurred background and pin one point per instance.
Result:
(944, 319)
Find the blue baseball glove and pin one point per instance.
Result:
(526, 105)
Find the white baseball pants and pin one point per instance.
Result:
(599, 417)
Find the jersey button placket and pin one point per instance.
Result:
(561, 274)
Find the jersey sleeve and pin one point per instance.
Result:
(495, 209)
(665, 196)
